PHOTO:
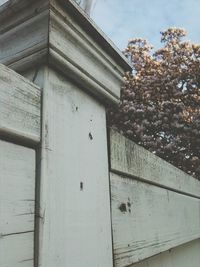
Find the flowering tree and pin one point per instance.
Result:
(160, 102)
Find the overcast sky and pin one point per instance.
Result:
(125, 19)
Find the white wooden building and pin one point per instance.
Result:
(73, 193)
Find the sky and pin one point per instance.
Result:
(122, 20)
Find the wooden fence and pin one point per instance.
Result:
(20, 102)
(64, 200)
(155, 207)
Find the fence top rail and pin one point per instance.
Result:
(20, 104)
(132, 160)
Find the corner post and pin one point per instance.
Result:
(80, 72)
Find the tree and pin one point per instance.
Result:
(160, 102)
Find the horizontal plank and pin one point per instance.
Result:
(148, 220)
(17, 250)
(183, 256)
(19, 106)
(17, 188)
(131, 159)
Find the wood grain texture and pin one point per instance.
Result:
(75, 225)
(183, 256)
(17, 203)
(133, 160)
(19, 106)
(17, 188)
(147, 219)
(17, 250)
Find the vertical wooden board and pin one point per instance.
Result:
(17, 250)
(183, 256)
(148, 220)
(75, 227)
(17, 188)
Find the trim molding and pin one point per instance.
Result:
(58, 33)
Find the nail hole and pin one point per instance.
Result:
(123, 208)
(81, 186)
(90, 136)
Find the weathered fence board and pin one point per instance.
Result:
(133, 160)
(17, 188)
(17, 202)
(148, 219)
(17, 250)
(155, 206)
(19, 106)
(182, 256)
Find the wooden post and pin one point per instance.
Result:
(80, 71)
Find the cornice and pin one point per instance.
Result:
(58, 33)
(24, 33)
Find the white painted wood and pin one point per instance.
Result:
(19, 11)
(57, 32)
(12, 15)
(23, 33)
(92, 61)
(17, 202)
(182, 256)
(17, 250)
(91, 30)
(147, 219)
(17, 188)
(75, 225)
(19, 106)
(133, 160)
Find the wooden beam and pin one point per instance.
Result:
(74, 220)
(132, 160)
(148, 220)
(20, 102)
(184, 256)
